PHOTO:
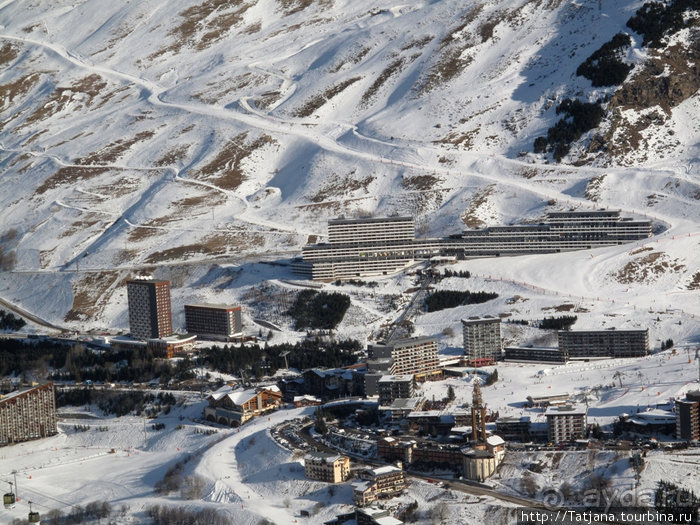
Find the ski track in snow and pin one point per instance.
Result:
(260, 120)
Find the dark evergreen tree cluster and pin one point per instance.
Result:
(450, 393)
(655, 20)
(75, 362)
(357, 282)
(320, 425)
(17, 356)
(637, 461)
(116, 402)
(8, 321)
(668, 343)
(367, 417)
(492, 378)
(674, 501)
(452, 273)
(319, 310)
(579, 117)
(442, 299)
(563, 322)
(605, 67)
(304, 354)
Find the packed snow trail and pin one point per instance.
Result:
(256, 120)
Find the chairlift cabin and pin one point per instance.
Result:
(9, 499)
(34, 516)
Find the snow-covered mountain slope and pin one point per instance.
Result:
(151, 133)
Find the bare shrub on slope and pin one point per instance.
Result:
(10, 91)
(204, 24)
(668, 78)
(648, 268)
(421, 182)
(89, 295)
(8, 52)
(470, 216)
(69, 175)
(337, 186)
(315, 102)
(216, 244)
(226, 170)
(450, 62)
(112, 151)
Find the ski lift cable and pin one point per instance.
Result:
(33, 491)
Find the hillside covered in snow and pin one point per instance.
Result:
(138, 136)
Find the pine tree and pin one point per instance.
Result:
(320, 425)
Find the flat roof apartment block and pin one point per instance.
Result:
(414, 355)
(394, 387)
(583, 344)
(360, 247)
(482, 340)
(361, 231)
(378, 246)
(150, 316)
(379, 482)
(28, 414)
(213, 321)
(332, 468)
(534, 354)
(566, 423)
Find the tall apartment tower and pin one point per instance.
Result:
(149, 308)
(688, 417)
(482, 340)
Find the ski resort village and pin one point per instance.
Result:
(457, 402)
(324, 262)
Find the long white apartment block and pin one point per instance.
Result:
(381, 246)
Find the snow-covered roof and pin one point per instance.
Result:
(391, 379)
(216, 306)
(387, 520)
(380, 471)
(403, 403)
(306, 397)
(326, 457)
(654, 416)
(566, 410)
(495, 441)
(361, 486)
(238, 397)
(176, 338)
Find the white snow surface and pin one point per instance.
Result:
(169, 137)
(130, 146)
